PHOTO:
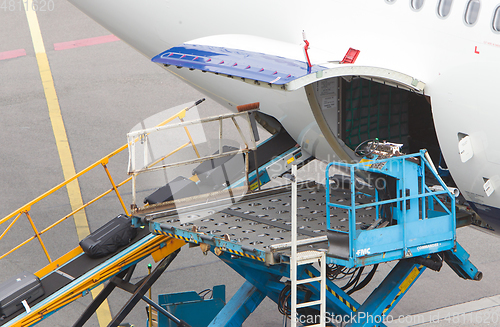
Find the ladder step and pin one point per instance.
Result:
(308, 304)
(306, 257)
(308, 280)
(287, 245)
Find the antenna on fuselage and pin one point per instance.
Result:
(306, 47)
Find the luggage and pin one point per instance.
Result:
(217, 174)
(109, 237)
(23, 287)
(208, 165)
(180, 187)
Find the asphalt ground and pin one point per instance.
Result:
(103, 91)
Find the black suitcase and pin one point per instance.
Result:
(178, 188)
(217, 174)
(25, 286)
(109, 237)
(211, 164)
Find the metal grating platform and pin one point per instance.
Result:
(261, 221)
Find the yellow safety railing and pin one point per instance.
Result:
(14, 216)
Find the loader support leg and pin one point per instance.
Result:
(380, 303)
(241, 305)
(142, 289)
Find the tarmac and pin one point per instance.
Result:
(104, 88)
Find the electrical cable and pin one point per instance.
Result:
(338, 272)
(353, 281)
(283, 300)
(365, 281)
(285, 294)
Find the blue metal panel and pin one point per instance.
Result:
(172, 298)
(239, 63)
(263, 179)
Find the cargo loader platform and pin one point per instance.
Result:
(254, 236)
(75, 274)
(259, 224)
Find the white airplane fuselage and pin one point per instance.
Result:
(459, 64)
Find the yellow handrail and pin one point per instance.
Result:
(103, 162)
(27, 206)
(115, 188)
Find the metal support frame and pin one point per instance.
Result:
(379, 304)
(241, 305)
(142, 135)
(138, 290)
(142, 288)
(458, 260)
(179, 322)
(265, 280)
(303, 258)
(104, 161)
(103, 295)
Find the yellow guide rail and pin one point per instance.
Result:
(25, 210)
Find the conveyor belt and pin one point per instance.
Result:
(73, 279)
(274, 146)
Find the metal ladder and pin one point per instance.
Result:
(303, 258)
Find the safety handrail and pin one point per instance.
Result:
(142, 135)
(25, 209)
(425, 196)
(425, 193)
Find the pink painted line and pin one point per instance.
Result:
(12, 54)
(85, 42)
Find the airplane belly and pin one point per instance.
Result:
(156, 25)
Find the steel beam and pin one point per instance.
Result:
(241, 305)
(142, 289)
(374, 311)
(103, 295)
